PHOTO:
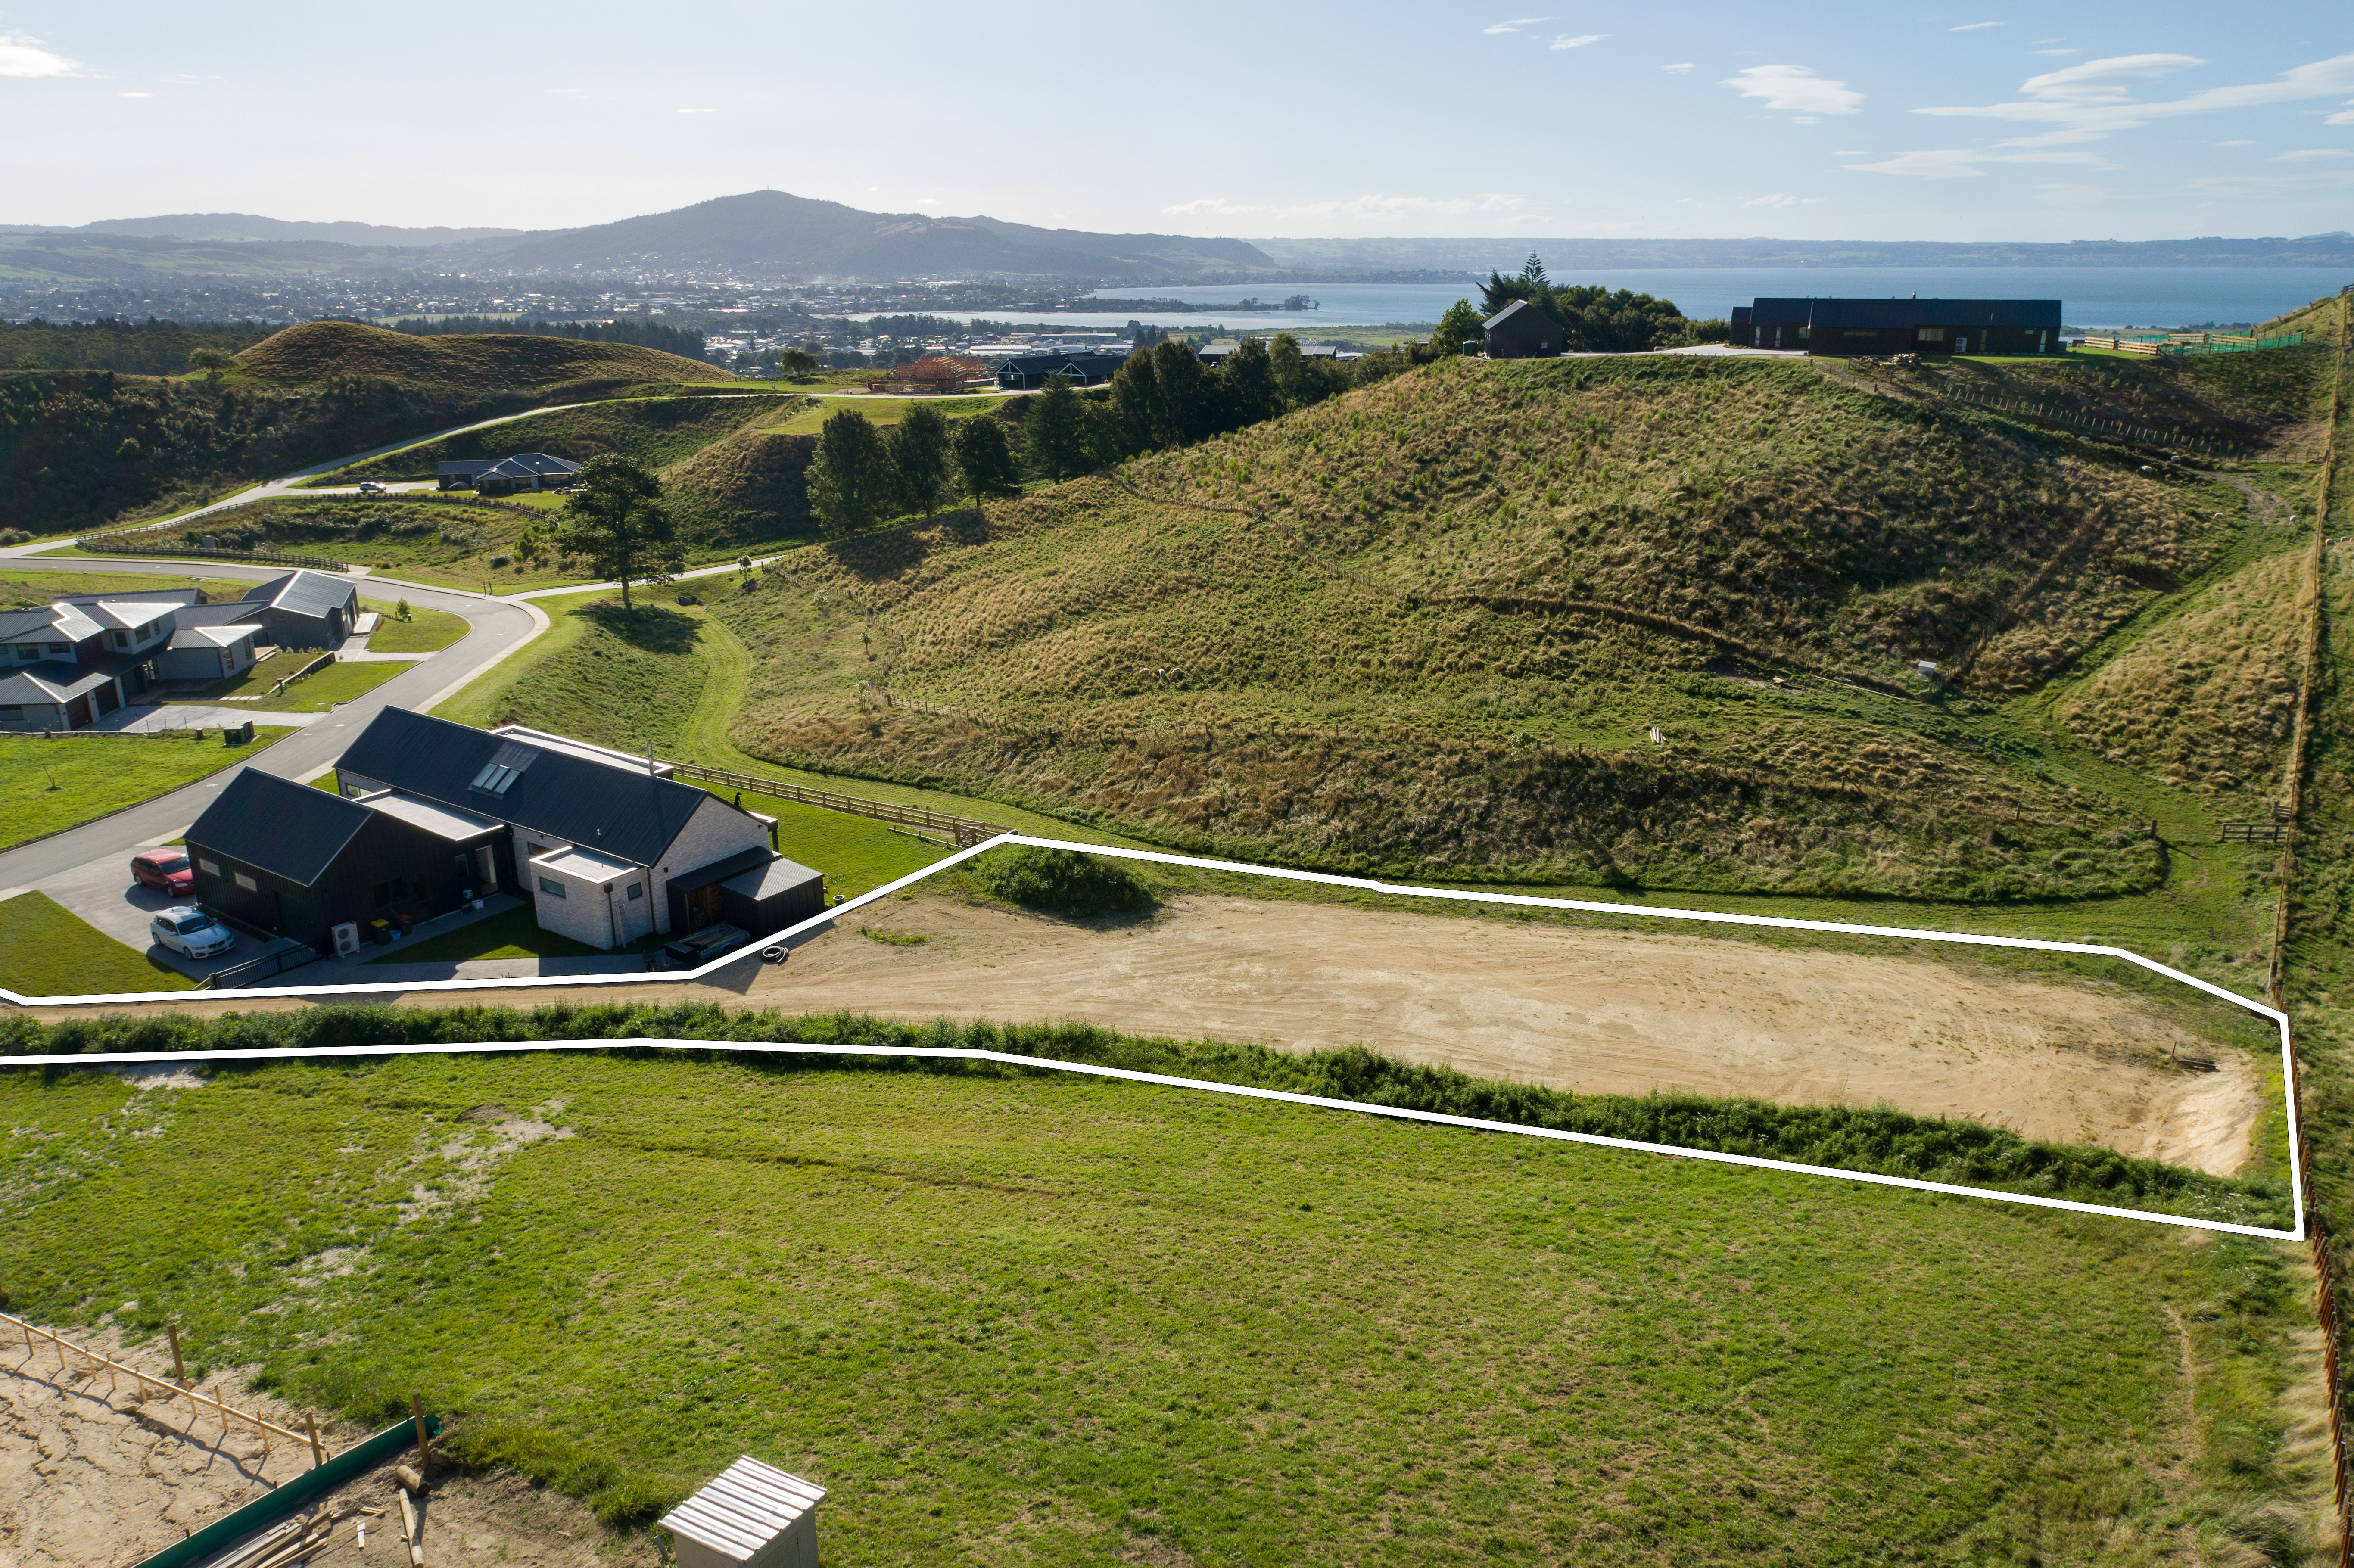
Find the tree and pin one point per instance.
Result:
(984, 462)
(1134, 397)
(616, 520)
(1053, 432)
(917, 451)
(1458, 326)
(211, 360)
(795, 363)
(850, 478)
(1246, 386)
(1178, 395)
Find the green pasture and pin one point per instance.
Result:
(48, 785)
(314, 692)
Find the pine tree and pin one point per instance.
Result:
(616, 519)
(1053, 432)
(918, 450)
(984, 462)
(850, 478)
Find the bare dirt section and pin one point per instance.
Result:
(98, 1477)
(1599, 1011)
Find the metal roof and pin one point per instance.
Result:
(52, 681)
(441, 822)
(591, 803)
(22, 624)
(212, 636)
(607, 755)
(587, 865)
(779, 875)
(720, 870)
(744, 1508)
(304, 592)
(1515, 308)
(1899, 313)
(130, 614)
(287, 829)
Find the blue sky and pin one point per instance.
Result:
(2003, 122)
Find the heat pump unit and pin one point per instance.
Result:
(347, 939)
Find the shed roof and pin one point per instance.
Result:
(287, 829)
(566, 796)
(1511, 312)
(584, 866)
(779, 875)
(212, 636)
(743, 1509)
(722, 868)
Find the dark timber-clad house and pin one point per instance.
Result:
(1847, 327)
(1521, 331)
(430, 814)
(504, 476)
(1028, 372)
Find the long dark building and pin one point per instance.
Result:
(1847, 327)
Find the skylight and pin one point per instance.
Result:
(495, 777)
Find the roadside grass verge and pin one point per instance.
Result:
(425, 631)
(48, 785)
(314, 692)
(46, 949)
(23, 590)
(1103, 1319)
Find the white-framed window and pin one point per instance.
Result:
(210, 868)
(552, 887)
(248, 883)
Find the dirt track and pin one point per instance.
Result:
(1601, 1011)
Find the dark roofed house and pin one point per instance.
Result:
(283, 858)
(504, 476)
(1028, 372)
(1521, 331)
(301, 610)
(599, 839)
(1876, 327)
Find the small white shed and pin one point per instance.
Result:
(751, 1516)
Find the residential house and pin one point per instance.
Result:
(504, 476)
(1521, 331)
(1028, 372)
(1876, 327)
(301, 610)
(67, 664)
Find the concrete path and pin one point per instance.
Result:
(196, 716)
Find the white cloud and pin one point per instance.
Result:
(1859, 153)
(1795, 88)
(1976, 26)
(1676, 69)
(2062, 53)
(2235, 144)
(134, 95)
(1353, 207)
(22, 57)
(1778, 200)
(2070, 196)
(2311, 154)
(1516, 24)
(1565, 41)
(2343, 117)
(2092, 102)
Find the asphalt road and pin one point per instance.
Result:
(497, 628)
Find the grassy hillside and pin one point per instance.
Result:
(318, 351)
(655, 431)
(1085, 1321)
(1632, 621)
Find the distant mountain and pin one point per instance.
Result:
(771, 234)
(245, 225)
(1305, 256)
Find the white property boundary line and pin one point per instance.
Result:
(359, 993)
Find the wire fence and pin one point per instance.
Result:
(123, 544)
(958, 830)
(2103, 425)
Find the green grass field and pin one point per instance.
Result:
(1071, 1322)
(48, 785)
(317, 693)
(510, 934)
(425, 631)
(46, 949)
(23, 589)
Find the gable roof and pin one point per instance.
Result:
(19, 624)
(303, 592)
(287, 829)
(1512, 311)
(567, 796)
(212, 636)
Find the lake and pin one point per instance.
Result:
(2091, 296)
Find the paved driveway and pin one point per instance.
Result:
(104, 893)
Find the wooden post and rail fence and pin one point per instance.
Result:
(958, 830)
(198, 1401)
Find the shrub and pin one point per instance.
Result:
(1062, 881)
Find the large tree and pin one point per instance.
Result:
(616, 518)
(918, 450)
(850, 479)
(1460, 325)
(984, 462)
(1055, 432)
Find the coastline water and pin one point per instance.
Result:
(2090, 296)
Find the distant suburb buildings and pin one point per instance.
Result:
(1876, 327)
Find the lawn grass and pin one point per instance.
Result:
(48, 785)
(425, 631)
(46, 949)
(1074, 1321)
(881, 411)
(26, 590)
(654, 432)
(317, 693)
(510, 934)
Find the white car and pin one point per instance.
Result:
(187, 930)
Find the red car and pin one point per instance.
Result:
(165, 869)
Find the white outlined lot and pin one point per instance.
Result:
(333, 993)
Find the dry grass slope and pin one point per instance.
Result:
(1435, 627)
(323, 351)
